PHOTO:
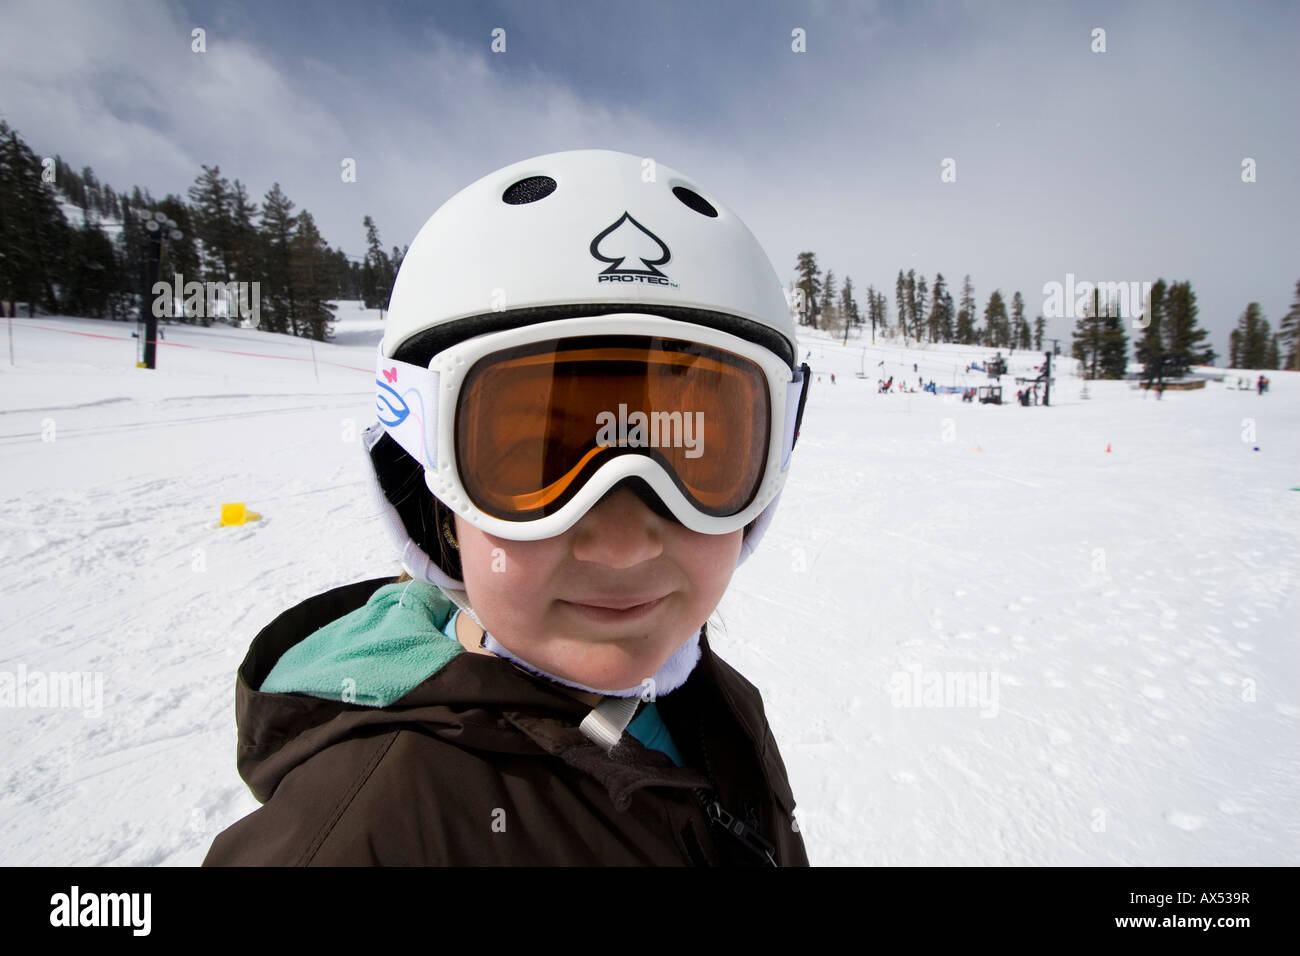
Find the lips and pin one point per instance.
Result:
(618, 603)
(613, 610)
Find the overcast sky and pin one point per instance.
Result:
(1117, 166)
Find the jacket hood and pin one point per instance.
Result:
(279, 729)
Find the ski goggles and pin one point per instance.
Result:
(520, 432)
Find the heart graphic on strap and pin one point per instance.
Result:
(390, 374)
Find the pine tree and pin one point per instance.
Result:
(180, 255)
(1112, 358)
(112, 206)
(877, 310)
(1020, 328)
(377, 273)
(966, 314)
(89, 285)
(940, 302)
(309, 267)
(1039, 328)
(1185, 338)
(34, 236)
(910, 295)
(922, 301)
(1151, 348)
(900, 297)
(277, 228)
(395, 259)
(848, 307)
(132, 250)
(90, 197)
(1289, 334)
(248, 257)
(809, 285)
(213, 220)
(1089, 338)
(827, 313)
(1251, 339)
(995, 319)
(10, 271)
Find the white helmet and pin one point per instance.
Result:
(583, 233)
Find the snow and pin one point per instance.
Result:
(76, 217)
(981, 637)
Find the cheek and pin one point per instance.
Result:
(710, 562)
(499, 573)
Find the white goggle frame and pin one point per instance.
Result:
(417, 407)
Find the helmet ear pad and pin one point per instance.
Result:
(401, 479)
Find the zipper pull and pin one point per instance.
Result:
(750, 838)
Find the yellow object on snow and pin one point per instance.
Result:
(237, 514)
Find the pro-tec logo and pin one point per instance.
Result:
(627, 239)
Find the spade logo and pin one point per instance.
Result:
(626, 239)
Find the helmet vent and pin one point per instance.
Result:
(529, 190)
(695, 201)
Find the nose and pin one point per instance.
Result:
(619, 531)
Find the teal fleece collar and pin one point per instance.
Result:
(374, 655)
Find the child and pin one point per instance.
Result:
(587, 401)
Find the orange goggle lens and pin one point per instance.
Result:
(534, 422)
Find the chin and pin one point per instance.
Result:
(614, 668)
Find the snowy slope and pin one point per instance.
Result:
(1120, 618)
(76, 217)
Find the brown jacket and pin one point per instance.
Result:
(482, 763)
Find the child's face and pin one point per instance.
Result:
(537, 597)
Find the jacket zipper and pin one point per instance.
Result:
(719, 818)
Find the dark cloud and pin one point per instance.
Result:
(1123, 165)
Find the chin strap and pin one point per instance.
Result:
(668, 678)
(605, 724)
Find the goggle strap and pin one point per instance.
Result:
(407, 405)
(795, 393)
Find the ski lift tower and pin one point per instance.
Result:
(161, 230)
